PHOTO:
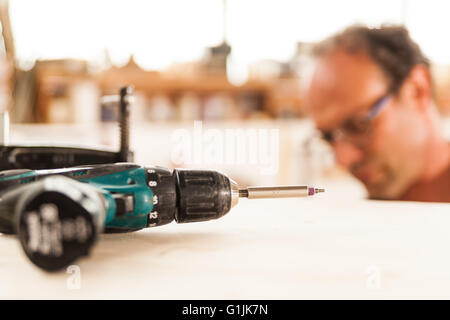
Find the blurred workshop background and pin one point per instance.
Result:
(229, 63)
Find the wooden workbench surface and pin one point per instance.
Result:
(321, 247)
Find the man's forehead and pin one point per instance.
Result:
(343, 83)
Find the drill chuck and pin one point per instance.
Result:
(189, 195)
(202, 195)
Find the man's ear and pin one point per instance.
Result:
(417, 87)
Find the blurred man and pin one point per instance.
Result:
(371, 97)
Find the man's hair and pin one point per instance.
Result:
(390, 47)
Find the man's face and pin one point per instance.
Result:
(389, 157)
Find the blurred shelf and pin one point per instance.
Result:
(275, 98)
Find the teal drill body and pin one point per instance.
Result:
(125, 183)
(132, 185)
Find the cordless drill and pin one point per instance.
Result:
(58, 213)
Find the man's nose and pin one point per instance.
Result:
(347, 154)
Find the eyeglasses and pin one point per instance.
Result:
(357, 128)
